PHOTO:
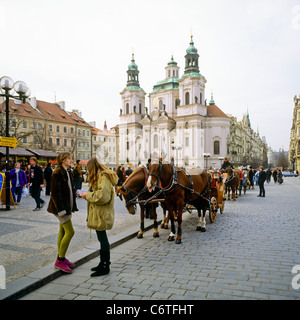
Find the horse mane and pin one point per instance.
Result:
(136, 170)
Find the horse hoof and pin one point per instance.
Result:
(171, 238)
(178, 241)
(203, 229)
(155, 235)
(140, 236)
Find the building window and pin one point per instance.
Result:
(127, 108)
(65, 142)
(50, 127)
(24, 140)
(57, 128)
(58, 142)
(24, 124)
(72, 130)
(50, 142)
(140, 108)
(65, 129)
(161, 105)
(216, 147)
(187, 98)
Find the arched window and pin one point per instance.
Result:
(161, 105)
(177, 103)
(216, 147)
(187, 98)
(127, 108)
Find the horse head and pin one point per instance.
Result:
(155, 173)
(131, 188)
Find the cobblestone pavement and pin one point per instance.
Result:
(28, 238)
(248, 253)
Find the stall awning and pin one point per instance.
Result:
(16, 152)
(43, 153)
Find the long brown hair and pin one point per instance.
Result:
(95, 171)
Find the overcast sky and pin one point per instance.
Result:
(79, 52)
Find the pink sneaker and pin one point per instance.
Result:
(62, 265)
(69, 263)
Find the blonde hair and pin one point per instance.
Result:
(95, 171)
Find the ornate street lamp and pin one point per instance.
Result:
(9, 89)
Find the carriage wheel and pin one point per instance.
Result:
(213, 209)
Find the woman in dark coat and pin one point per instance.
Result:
(261, 181)
(47, 175)
(62, 203)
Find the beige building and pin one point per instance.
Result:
(42, 125)
(294, 151)
(105, 145)
(245, 146)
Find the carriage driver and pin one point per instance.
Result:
(226, 164)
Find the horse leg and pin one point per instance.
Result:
(154, 216)
(201, 221)
(228, 193)
(142, 228)
(173, 231)
(234, 190)
(179, 221)
(165, 220)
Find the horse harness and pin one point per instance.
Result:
(174, 183)
(132, 196)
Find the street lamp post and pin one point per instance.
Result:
(6, 87)
(206, 156)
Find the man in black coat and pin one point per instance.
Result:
(261, 180)
(37, 183)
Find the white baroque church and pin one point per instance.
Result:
(179, 125)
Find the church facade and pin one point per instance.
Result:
(179, 126)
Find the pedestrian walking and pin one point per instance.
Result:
(120, 175)
(261, 180)
(280, 176)
(47, 175)
(100, 208)
(269, 173)
(62, 203)
(18, 181)
(275, 175)
(78, 175)
(36, 183)
(251, 177)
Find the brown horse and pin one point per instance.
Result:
(232, 182)
(134, 189)
(180, 188)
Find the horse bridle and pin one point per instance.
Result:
(132, 196)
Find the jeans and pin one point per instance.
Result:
(17, 190)
(261, 189)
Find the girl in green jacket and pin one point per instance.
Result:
(100, 211)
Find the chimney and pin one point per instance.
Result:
(32, 102)
(93, 124)
(62, 104)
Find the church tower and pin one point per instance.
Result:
(192, 83)
(131, 112)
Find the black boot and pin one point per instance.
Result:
(103, 266)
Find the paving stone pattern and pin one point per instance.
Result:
(248, 253)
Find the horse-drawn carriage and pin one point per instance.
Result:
(174, 188)
(216, 196)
